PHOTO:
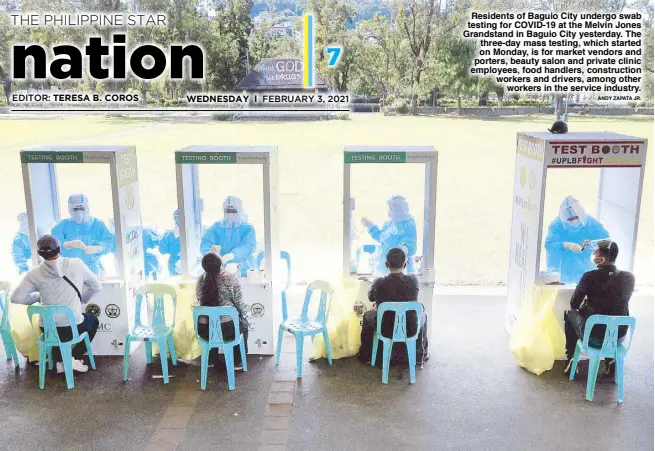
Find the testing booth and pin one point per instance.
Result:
(115, 305)
(621, 161)
(407, 172)
(261, 289)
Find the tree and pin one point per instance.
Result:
(454, 59)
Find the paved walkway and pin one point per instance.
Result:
(469, 396)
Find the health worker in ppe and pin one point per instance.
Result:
(569, 241)
(150, 262)
(20, 247)
(84, 236)
(232, 237)
(398, 232)
(170, 245)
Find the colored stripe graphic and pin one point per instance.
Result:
(308, 51)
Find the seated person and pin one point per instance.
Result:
(217, 288)
(603, 291)
(61, 281)
(395, 287)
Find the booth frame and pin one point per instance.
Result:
(39, 162)
(538, 152)
(190, 204)
(429, 157)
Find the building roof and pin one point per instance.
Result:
(277, 74)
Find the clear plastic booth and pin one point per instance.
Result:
(115, 305)
(371, 176)
(261, 288)
(621, 162)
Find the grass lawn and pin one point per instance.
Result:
(474, 194)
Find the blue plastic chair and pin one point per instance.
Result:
(611, 347)
(216, 341)
(284, 255)
(158, 331)
(5, 329)
(50, 338)
(304, 326)
(399, 335)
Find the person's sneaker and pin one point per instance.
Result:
(238, 367)
(78, 366)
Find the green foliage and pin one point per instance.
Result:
(222, 116)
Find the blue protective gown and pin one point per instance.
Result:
(238, 240)
(21, 252)
(170, 245)
(572, 265)
(92, 233)
(395, 234)
(150, 241)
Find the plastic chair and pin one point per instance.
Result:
(399, 335)
(216, 341)
(5, 329)
(50, 338)
(157, 332)
(611, 347)
(304, 327)
(284, 255)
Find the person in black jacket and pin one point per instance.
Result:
(395, 287)
(603, 291)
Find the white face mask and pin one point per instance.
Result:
(231, 218)
(597, 260)
(78, 216)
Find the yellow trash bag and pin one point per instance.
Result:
(537, 339)
(347, 307)
(184, 335)
(23, 333)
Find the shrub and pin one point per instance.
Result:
(400, 106)
(222, 116)
(342, 116)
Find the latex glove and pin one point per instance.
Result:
(573, 247)
(216, 248)
(405, 250)
(74, 244)
(227, 257)
(92, 250)
(232, 268)
(367, 223)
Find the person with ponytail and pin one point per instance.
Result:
(218, 288)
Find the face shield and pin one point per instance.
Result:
(78, 208)
(572, 214)
(398, 209)
(233, 212)
(23, 226)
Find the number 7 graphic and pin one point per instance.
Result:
(334, 52)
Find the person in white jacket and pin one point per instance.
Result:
(61, 281)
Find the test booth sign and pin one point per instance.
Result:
(115, 304)
(622, 160)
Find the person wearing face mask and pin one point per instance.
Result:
(59, 280)
(170, 245)
(150, 262)
(20, 247)
(83, 236)
(566, 250)
(399, 231)
(233, 238)
(603, 291)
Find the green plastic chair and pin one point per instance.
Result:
(50, 338)
(399, 335)
(5, 329)
(611, 347)
(216, 340)
(158, 331)
(304, 326)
